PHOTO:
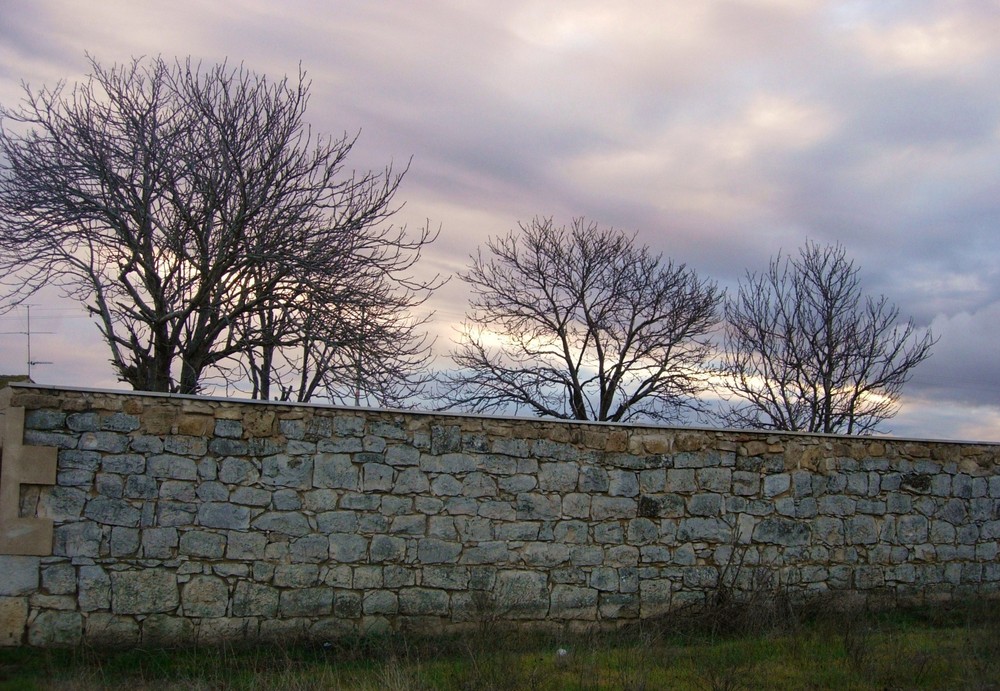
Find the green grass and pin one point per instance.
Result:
(942, 647)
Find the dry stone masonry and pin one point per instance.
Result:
(181, 519)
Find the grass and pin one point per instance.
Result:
(938, 647)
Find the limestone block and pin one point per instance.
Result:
(184, 445)
(621, 555)
(912, 530)
(573, 602)
(705, 530)
(110, 442)
(319, 500)
(451, 463)
(202, 543)
(491, 552)
(445, 439)
(337, 522)
(346, 604)
(105, 629)
(310, 549)
(623, 483)
(837, 505)
(286, 500)
(94, 588)
(44, 419)
(254, 600)
(177, 490)
(205, 596)
(706, 505)
(681, 480)
(446, 486)
(220, 446)
(478, 484)
(223, 515)
(545, 554)
(59, 579)
(609, 532)
(558, 477)
(828, 530)
(380, 602)
(396, 506)
(387, 548)
(80, 539)
(210, 490)
(335, 471)
(143, 592)
(604, 508)
(373, 444)
(861, 530)
(642, 531)
(283, 470)
(172, 466)
(499, 511)
(533, 506)
(520, 530)
(140, 487)
(238, 471)
(251, 496)
(19, 575)
(401, 455)
(166, 630)
(782, 531)
(13, 618)
(290, 523)
(55, 629)
(230, 429)
(435, 551)
(376, 523)
(424, 601)
(222, 630)
(346, 548)
(378, 478)
(409, 525)
(306, 602)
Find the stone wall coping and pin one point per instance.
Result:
(508, 418)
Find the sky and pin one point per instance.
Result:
(720, 132)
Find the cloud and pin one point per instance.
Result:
(722, 132)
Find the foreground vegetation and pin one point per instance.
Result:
(944, 646)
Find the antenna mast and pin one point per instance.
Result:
(27, 333)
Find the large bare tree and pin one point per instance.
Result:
(192, 209)
(581, 323)
(807, 351)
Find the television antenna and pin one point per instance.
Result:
(27, 332)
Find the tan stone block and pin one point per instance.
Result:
(225, 412)
(876, 449)
(616, 441)
(132, 406)
(202, 407)
(158, 420)
(594, 439)
(195, 425)
(258, 423)
(690, 442)
(13, 617)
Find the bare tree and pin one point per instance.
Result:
(366, 349)
(806, 351)
(580, 323)
(190, 209)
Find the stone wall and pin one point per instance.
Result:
(181, 519)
